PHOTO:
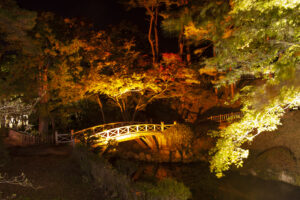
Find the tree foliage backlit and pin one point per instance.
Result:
(259, 38)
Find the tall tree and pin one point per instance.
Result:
(174, 21)
(152, 9)
(259, 38)
(17, 83)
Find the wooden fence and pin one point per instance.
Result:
(17, 138)
(37, 139)
(63, 138)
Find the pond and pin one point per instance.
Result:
(205, 186)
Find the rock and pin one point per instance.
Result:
(283, 176)
(164, 155)
(141, 156)
(176, 157)
(161, 173)
(148, 157)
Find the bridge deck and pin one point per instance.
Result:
(124, 133)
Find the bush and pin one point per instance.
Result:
(179, 137)
(100, 173)
(167, 189)
(114, 185)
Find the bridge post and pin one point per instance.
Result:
(56, 137)
(162, 126)
(73, 138)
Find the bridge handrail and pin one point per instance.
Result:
(129, 129)
(103, 126)
(103, 136)
(225, 117)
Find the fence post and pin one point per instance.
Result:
(162, 126)
(56, 137)
(175, 122)
(73, 139)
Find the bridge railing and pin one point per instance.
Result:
(121, 132)
(100, 135)
(102, 127)
(226, 117)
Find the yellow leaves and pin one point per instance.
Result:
(192, 32)
(211, 71)
(262, 6)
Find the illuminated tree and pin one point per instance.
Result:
(259, 38)
(174, 21)
(132, 85)
(57, 66)
(195, 23)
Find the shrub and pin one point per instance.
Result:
(101, 174)
(115, 185)
(179, 137)
(167, 189)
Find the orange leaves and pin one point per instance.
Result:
(227, 33)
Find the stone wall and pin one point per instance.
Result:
(276, 155)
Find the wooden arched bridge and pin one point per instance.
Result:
(123, 131)
(145, 134)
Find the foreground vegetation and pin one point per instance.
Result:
(77, 174)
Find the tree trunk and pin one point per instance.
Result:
(121, 106)
(53, 128)
(101, 108)
(43, 109)
(188, 54)
(232, 89)
(43, 119)
(150, 33)
(156, 34)
(180, 43)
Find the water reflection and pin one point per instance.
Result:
(205, 186)
(237, 187)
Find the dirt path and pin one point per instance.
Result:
(50, 167)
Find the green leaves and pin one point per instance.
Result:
(256, 120)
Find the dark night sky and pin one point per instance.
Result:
(100, 12)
